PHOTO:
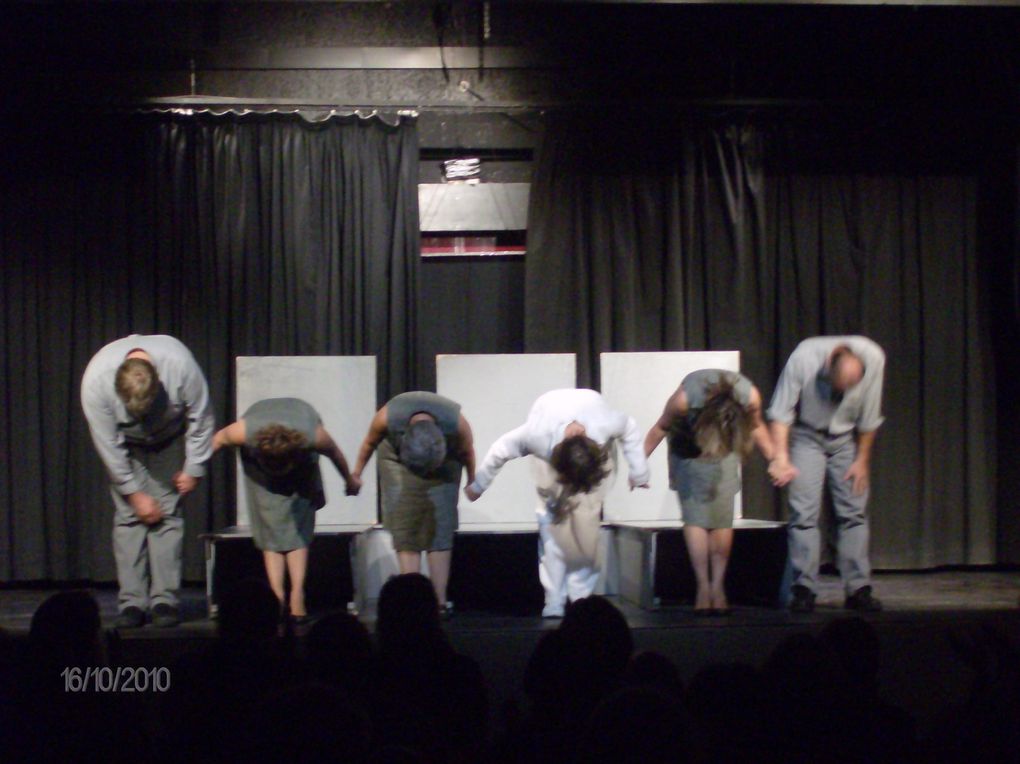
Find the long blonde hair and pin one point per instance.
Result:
(724, 425)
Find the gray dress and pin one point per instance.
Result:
(706, 487)
(282, 507)
(420, 512)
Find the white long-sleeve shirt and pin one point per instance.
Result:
(548, 419)
(188, 409)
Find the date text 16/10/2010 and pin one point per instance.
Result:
(115, 679)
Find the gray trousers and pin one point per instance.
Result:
(148, 557)
(822, 459)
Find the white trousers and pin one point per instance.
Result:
(569, 559)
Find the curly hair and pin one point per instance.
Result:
(277, 446)
(137, 384)
(724, 425)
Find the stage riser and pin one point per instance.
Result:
(655, 569)
(753, 577)
(329, 584)
(498, 572)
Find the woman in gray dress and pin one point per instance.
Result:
(713, 421)
(280, 441)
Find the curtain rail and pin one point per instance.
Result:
(224, 102)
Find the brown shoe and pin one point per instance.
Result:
(862, 601)
(130, 617)
(165, 616)
(802, 600)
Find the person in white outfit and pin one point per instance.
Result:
(573, 434)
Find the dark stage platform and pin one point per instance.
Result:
(926, 613)
(494, 570)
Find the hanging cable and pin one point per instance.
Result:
(484, 30)
(440, 16)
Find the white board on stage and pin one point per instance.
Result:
(342, 390)
(495, 393)
(640, 384)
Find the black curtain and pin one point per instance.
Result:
(469, 305)
(240, 235)
(750, 231)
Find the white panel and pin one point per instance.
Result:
(640, 384)
(473, 207)
(342, 390)
(376, 561)
(495, 393)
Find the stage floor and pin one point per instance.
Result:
(906, 595)
(927, 617)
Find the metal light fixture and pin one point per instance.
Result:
(465, 170)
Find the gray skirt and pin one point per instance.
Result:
(279, 523)
(706, 489)
(419, 512)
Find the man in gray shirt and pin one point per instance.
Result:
(148, 409)
(825, 412)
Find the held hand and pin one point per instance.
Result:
(858, 473)
(781, 472)
(146, 508)
(185, 483)
(471, 493)
(354, 485)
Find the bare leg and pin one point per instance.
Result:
(720, 543)
(697, 549)
(274, 562)
(439, 572)
(297, 565)
(410, 562)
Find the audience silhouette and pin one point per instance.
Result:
(405, 696)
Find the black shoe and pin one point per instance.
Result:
(862, 601)
(803, 599)
(130, 617)
(446, 611)
(165, 616)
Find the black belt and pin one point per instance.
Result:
(158, 445)
(821, 431)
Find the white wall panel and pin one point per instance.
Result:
(342, 390)
(640, 384)
(495, 393)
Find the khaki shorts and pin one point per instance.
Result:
(419, 512)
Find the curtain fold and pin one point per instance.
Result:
(729, 231)
(238, 234)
